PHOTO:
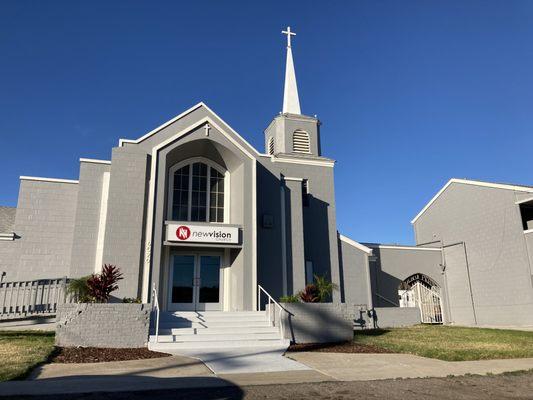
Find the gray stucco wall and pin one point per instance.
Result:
(282, 129)
(488, 221)
(355, 275)
(316, 323)
(44, 223)
(87, 219)
(393, 265)
(319, 222)
(117, 325)
(395, 317)
(124, 234)
(219, 149)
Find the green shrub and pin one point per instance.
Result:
(324, 288)
(289, 299)
(131, 300)
(309, 294)
(80, 289)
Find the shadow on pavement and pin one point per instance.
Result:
(122, 387)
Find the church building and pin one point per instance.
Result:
(190, 208)
(193, 214)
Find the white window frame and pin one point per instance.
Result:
(211, 164)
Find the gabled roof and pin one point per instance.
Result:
(190, 110)
(505, 186)
(355, 244)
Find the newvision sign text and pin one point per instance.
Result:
(202, 233)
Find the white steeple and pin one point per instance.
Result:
(291, 102)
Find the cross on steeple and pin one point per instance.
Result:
(289, 34)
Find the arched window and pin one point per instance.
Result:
(271, 146)
(300, 142)
(196, 192)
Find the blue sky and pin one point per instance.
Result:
(410, 93)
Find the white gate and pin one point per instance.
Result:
(426, 299)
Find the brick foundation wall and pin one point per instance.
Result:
(117, 325)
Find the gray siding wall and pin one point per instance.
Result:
(87, 219)
(45, 223)
(7, 258)
(355, 275)
(124, 234)
(488, 221)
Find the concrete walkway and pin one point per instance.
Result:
(362, 367)
(176, 372)
(245, 360)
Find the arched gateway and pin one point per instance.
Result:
(421, 291)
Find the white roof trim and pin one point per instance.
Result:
(95, 161)
(475, 183)
(528, 231)
(321, 163)
(355, 244)
(526, 200)
(200, 104)
(154, 131)
(399, 247)
(36, 178)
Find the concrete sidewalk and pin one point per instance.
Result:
(176, 372)
(363, 367)
(182, 372)
(245, 360)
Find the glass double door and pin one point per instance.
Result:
(195, 282)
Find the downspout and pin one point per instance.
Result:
(368, 283)
(449, 318)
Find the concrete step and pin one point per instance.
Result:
(218, 330)
(203, 318)
(213, 313)
(174, 346)
(214, 324)
(216, 338)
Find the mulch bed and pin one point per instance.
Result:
(96, 354)
(343, 347)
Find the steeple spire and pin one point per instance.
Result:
(291, 102)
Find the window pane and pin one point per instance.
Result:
(194, 193)
(180, 193)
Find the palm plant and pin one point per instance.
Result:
(324, 288)
(79, 289)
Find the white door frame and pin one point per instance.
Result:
(195, 305)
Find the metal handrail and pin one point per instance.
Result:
(387, 300)
(155, 306)
(271, 301)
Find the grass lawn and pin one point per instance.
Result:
(20, 351)
(451, 343)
